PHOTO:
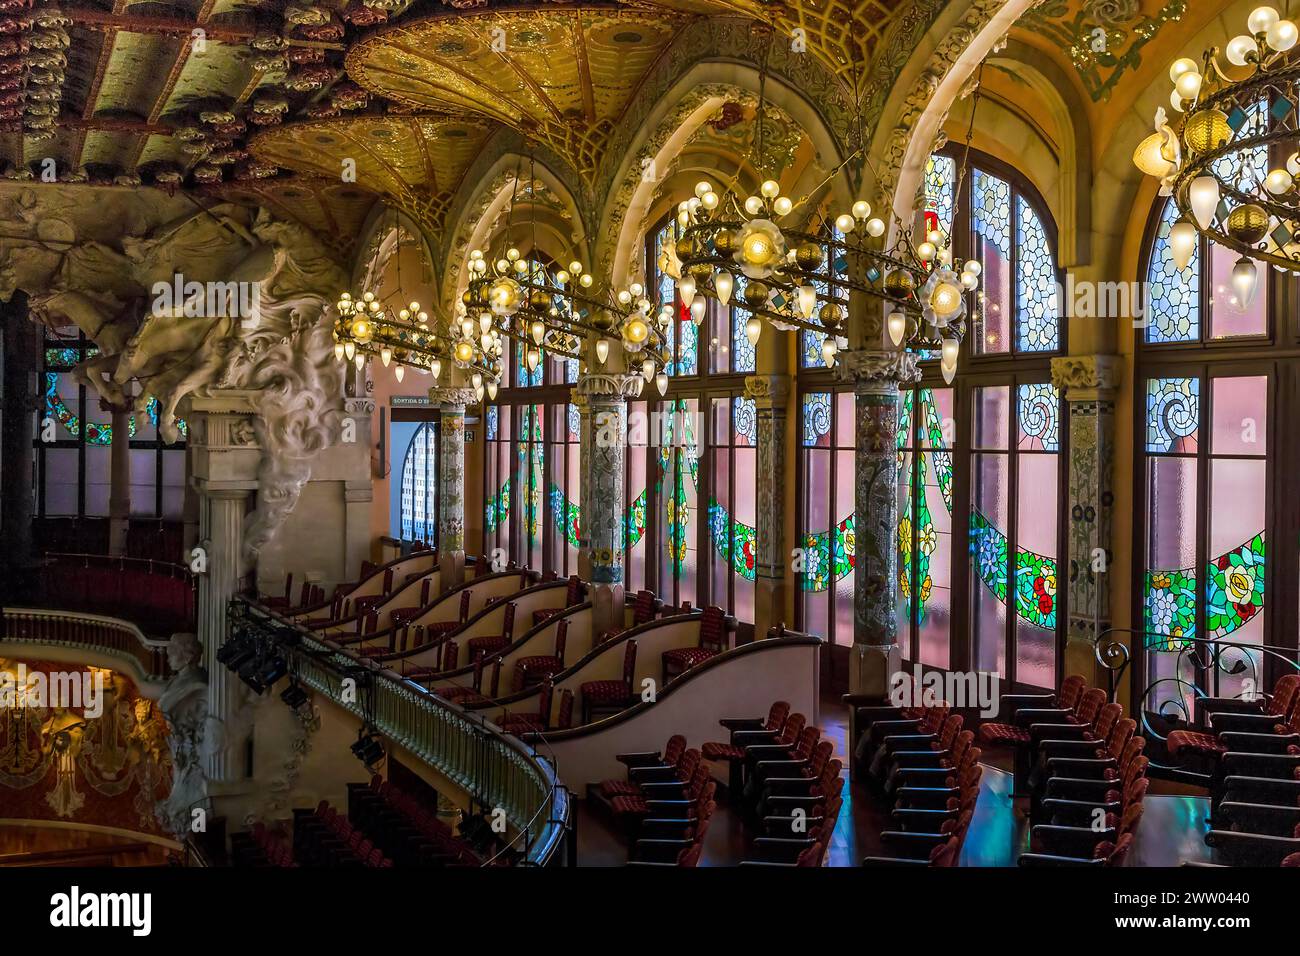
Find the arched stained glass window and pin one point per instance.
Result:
(419, 503)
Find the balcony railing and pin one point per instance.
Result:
(93, 632)
(498, 771)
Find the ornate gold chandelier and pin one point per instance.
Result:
(1219, 165)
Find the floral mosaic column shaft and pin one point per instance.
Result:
(451, 482)
(769, 394)
(876, 376)
(602, 520)
(1088, 383)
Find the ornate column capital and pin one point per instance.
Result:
(359, 406)
(604, 385)
(768, 391)
(1087, 376)
(448, 395)
(876, 367)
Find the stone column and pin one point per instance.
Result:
(770, 394)
(876, 376)
(21, 397)
(451, 483)
(603, 507)
(1089, 383)
(224, 465)
(119, 490)
(358, 486)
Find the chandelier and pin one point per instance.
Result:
(552, 309)
(367, 326)
(1219, 166)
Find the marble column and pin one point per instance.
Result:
(769, 394)
(603, 507)
(224, 463)
(358, 486)
(876, 377)
(119, 489)
(451, 482)
(1089, 384)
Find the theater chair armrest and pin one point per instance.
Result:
(648, 863)
(926, 796)
(1084, 749)
(919, 759)
(1069, 841)
(1016, 701)
(893, 861)
(778, 826)
(1253, 849)
(881, 729)
(783, 804)
(896, 742)
(767, 752)
(1224, 705)
(1080, 788)
(1050, 859)
(1253, 789)
(1075, 813)
(651, 757)
(656, 774)
(1086, 767)
(1238, 742)
(1027, 717)
(917, 818)
(787, 786)
(664, 828)
(779, 849)
(1261, 817)
(659, 851)
(766, 767)
(1260, 765)
(924, 775)
(664, 790)
(1245, 723)
(753, 738)
(672, 809)
(912, 841)
(1050, 731)
(742, 723)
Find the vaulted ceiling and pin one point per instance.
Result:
(235, 97)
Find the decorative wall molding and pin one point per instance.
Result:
(600, 384)
(453, 396)
(1087, 371)
(867, 366)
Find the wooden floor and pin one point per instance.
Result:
(1172, 831)
(56, 846)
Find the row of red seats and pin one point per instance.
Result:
(324, 837)
(406, 828)
(159, 597)
(260, 847)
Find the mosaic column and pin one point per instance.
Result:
(876, 377)
(769, 394)
(580, 402)
(451, 483)
(602, 487)
(1089, 383)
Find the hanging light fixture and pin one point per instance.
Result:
(1218, 164)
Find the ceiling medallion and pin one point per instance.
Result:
(1218, 166)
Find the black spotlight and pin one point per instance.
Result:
(242, 656)
(368, 749)
(294, 695)
(273, 668)
(233, 646)
(248, 673)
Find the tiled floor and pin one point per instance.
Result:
(1172, 829)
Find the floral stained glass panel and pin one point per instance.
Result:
(1173, 414)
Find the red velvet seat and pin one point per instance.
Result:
(1012, 734)
(487, 644)
(535, 669)
(610, 695)
(572, 596)
(438, 628)
(732, 752)
(671, 763)
(713, 641)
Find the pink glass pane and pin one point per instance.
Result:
(937, 622)
(1036, 519)
(992, 417)
(989, 486)
(844, 425)
(1228, 315)
(1240, 410)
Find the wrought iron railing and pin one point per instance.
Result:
(108, 635)
(498, 771)
(1168, 696)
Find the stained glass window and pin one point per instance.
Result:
(636, 490)
(1036, 306)
(498, 468)
(683, 334)
(74, 437)
(940, 183)
(825, 549)
(1173, 295)
(419, 487)
(677, 491)
(732, 560)
(1222, 588)
(563, 510)
(531, 458)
